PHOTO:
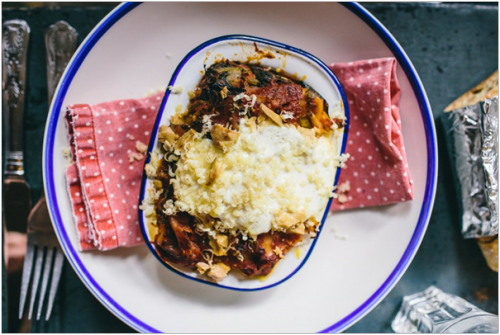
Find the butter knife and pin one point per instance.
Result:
(17, 197)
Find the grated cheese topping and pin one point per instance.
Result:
(269, 171)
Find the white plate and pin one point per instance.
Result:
(126, 56)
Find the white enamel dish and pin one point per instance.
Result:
(187, 76)
(136, 48)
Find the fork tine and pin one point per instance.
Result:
(36, 279)
(45, 281)
(56, 275)
(27, 267)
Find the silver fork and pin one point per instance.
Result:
(42, 241)
(60, 44)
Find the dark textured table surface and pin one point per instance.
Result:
(453, 46)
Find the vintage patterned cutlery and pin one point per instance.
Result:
(17, 196)
(60, 44)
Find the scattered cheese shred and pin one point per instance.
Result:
(67, 155)
(254, 100)
(285, 115)
(272, 115)
(166, 134)
(223, 137)
(241, 96)
(342, 198)
(150, 171)
(135, 156)
(141, 147)
(218, 271)
(202, 267)
(175, 89)
(344, 187)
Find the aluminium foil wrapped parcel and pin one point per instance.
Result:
(474, 132)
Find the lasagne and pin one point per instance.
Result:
(244, 173)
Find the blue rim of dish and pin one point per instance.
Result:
(364, 308)
(161, 111)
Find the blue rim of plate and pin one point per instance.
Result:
(365, 307)
(159, 116)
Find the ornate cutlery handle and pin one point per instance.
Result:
(60, 44)
(15, 37)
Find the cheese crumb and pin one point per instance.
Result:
(150, 171)
(169, 207)
(344, 187)
(67, 155)
(202, 267)
(340, 161)
(166, 134)
(175, 89)
(135, 156)
(218, 271)
(149, 212)
(141, 147)
(342, 198)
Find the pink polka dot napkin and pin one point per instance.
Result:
(104, 180)
(377, 172)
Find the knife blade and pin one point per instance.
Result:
(17, 195)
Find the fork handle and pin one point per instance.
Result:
(15, 46)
